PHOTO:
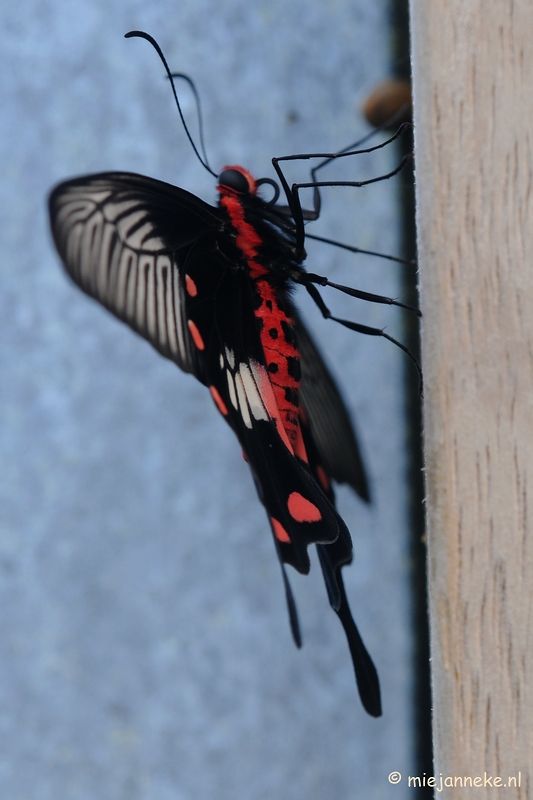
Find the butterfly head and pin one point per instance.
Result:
(236, 179)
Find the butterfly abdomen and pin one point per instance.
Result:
(276, 329)
(274, 322)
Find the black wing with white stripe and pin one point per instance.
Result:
(123, 238)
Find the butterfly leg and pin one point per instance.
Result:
(310, 277)
(292, 193)
(358, 328)
(409, 262)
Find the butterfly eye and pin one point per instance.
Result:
(234, 180)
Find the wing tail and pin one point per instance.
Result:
(366, 675)
(291, 607)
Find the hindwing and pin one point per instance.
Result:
(221, 313)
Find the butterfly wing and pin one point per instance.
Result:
(328, 419)
(123, 239)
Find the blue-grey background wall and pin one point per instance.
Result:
(145, 648)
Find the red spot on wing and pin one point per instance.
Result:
(302, 510)
(191, 287)
(280, 531)
(322, 477)
(196, 335)
(218, 400)
(299, 446)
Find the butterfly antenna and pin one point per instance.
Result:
(358, 328)
(191, 83)
(203, 161)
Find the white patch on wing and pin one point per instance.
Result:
(257, 407)
(231, 389)
(111, 249)
(243, 405)
(119, 208)
(221, 361)
(133, 225)
(268, 399)
(230, 355)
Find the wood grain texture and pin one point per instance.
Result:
(473, 95)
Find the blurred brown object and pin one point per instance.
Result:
(389, 104)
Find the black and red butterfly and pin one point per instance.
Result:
(210, 288)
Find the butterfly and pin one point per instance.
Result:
(210, 287)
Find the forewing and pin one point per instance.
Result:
(329, 422)
(124, 239)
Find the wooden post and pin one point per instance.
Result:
(473, 93)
